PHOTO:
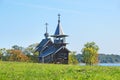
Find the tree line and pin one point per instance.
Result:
(21, 54)
(89, 55)
(102, 58)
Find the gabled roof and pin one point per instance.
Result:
(42, 44)
(48, 51)
(63, 47)
(52, 50)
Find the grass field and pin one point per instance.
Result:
(36, 71)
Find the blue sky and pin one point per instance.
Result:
(22, 22)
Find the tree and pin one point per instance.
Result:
(90, 53)
(0, 54)
(17, 55)
(72, 58)
(30, 52)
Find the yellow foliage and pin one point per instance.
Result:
(17, 55)
(72, 58)
(90, 54)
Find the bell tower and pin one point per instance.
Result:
(59, 37)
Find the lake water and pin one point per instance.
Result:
(105, 64)
(109, 64)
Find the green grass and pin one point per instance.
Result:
(36, 71)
